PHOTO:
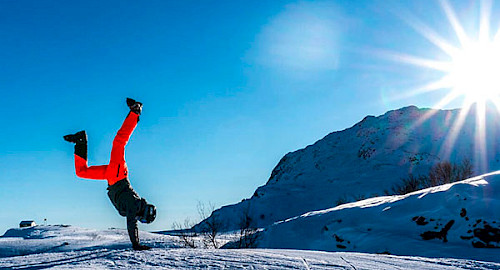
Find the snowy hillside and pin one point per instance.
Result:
(94, 249)
(363, 161)
(460, 220)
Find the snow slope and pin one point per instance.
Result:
(365, 160)
(93, 249)
(460, 220)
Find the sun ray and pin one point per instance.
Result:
(417, 61)
(496, 103)
(429, 87)
(496, 35)
(452, 135)
(480, 136)
(496, 38)
(429, 34)
(452, 18)
(443, 102)
(484, 24)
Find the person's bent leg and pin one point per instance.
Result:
(81, 167)
(84, 171)
(93, 172)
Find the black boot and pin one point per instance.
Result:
(79, 137)
(80, 141)
(135, 106)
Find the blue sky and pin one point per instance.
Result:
(228, 88)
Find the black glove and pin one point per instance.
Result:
(140, 247)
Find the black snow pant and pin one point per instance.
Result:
(129, 205)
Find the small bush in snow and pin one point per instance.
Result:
(359, 197)
(409, 184)
(186, 233)
(212, 225)
(341, 200)
(248, 231)
(446, 172)
(442, 173)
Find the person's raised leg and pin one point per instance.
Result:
(125, 131)
(117, 168)
(81, 167)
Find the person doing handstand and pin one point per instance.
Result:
(120, 192)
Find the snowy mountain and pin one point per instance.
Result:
(44, 248)
(366, 160)
(460, 220)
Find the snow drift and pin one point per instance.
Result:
(460, 220)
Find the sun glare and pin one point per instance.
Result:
(474, 66)
(474, 71)
(471, 73)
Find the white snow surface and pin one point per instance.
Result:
(56, 238)
(459, 220)
(43, 248)
(366, 160)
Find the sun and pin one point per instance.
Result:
(474, 71)
(471, 72)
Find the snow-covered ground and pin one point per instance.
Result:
(43, 239)
(231, 259)
(459, 220)
(68, 247)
